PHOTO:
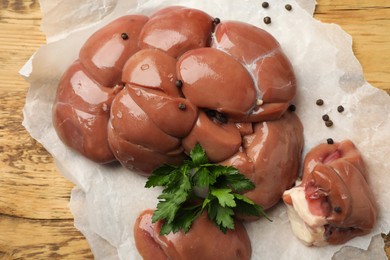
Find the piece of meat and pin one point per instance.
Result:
(106, 51)
(334, 197)
(245, 42)
(219, 140)
(214, 80)
(153, 69)
(174, 116)
(186, 79)
(270, 157)
(176, 30)
(136, 141)
(81, 112)
(275, 89)
(203, 241)
(261, 54)
(145, 91)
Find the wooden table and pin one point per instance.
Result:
(35, 222)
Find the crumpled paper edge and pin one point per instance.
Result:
(75, 181)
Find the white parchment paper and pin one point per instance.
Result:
(107, 199)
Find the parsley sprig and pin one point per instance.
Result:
(181, 201)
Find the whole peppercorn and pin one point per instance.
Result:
(267, 20)
(288, 7)
(182, 106)
(211, 113)
(179, 83)
(329, 123)
(319, 102)
(330, 141)
(325, 117)
(265, 4)
(222, 118)
(124, 36)
(340, 109)
(338, 210)
(216, 21)
(292, 108)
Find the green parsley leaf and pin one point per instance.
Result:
(248, 207)
(224, 196)
(198, 155)
(172, 198)
(201, 177)
(222, 216)
(238, 182)
(179, 205)
(219, 170)
(183, 219)
(166, 228)
(160, 176)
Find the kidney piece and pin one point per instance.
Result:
(176, 30)
(81, 112)
(107, 50)
(203, 241)
(334, 202)
(186, 78)
(262, 55)
(214, 80)
(219, 140)
(270, 157)
(152, 69)
(135, 138)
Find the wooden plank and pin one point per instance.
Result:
(368, 22)
(41, 239)
(30, 184)
(20, 37)
(35, 222)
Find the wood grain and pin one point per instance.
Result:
(41, 239)
(35, 222)
(369, 24)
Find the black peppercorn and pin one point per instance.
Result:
(216, 21)
(330, 141)
(211, 113)
(325, 117)
(329, 123)
(222, 118)
(292, 108)
(182, 106)
(267, 20)
(265, 4)
(319, 102)
(288, 7)
(337, 210)
(340, 109)
(179, 83)
(124, 36)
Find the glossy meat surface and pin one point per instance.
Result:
(184, 79)
(213, 79)
(81, 112)
(270, 157)
(129, 124)
(336, 189)
(262, 55)
(176, 30)
(106, 51)
(145, 90)
(203, 241)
